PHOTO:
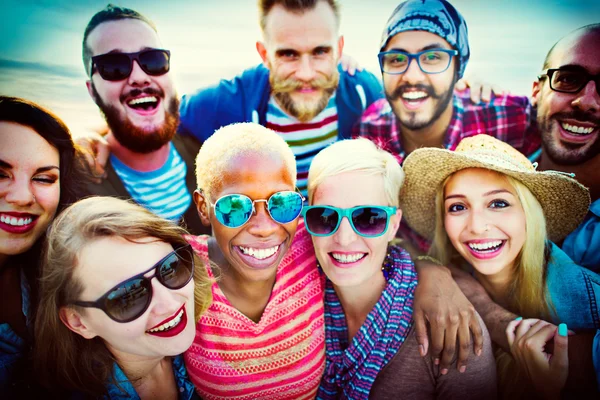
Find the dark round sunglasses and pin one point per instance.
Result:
(131, 298)
(235, 210)
(366, 221)
(118, 66)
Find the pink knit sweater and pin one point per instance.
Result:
(280, 357)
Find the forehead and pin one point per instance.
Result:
(415, 41)
(127, 35)
(255, 175)
(583, 50)
(303, 29)
(341, 190)
(476, 181)
(21, 145)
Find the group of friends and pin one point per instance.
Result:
(314, 231)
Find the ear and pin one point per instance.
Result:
(535, 93)
(262, 52)
(72, 320)
(394, 224)
(89, 84)
(340, 46)
(202, 207)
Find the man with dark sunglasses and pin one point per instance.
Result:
(129, 80)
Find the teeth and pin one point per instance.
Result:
(260, 254)
(143, 100)
(485, 246)
(347, 258)
(414, 95)
(579, 130)
(165, 327)
(14, 221)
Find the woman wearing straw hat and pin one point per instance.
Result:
(486, 205)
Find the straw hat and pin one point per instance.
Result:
(565, 202)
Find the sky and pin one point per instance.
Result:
(40, 54)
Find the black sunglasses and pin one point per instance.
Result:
(118, 66)
(131, 298)
(570, 80)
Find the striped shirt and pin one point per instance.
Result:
(162, 191)
(305, 139)
(280, 357)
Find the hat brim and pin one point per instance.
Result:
(564, 201)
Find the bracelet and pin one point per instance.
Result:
(430, 259)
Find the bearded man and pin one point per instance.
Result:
(129, 80)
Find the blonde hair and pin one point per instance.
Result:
(357, 155)
(63, 358)
(527, 293)
(236, 140)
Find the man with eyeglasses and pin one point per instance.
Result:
(130, 82)
(567, 98)
(424, 51)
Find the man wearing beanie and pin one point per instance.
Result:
(424, 51)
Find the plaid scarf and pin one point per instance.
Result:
(351, 370)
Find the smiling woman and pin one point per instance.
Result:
(495, 212)
(37, 180)
(263, 335)
(105, 325)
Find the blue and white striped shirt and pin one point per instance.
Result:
(162, 191)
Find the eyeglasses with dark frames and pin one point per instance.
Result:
(432, 61)
(569, 80)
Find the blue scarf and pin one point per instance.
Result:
(350, 370)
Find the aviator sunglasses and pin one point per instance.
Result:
(118, 66)
(130, 299)
(235, 210)
(366, 221)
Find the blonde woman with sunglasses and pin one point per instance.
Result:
(371, 347)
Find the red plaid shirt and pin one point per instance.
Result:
(508, 118)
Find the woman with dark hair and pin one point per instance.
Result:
(37, 168)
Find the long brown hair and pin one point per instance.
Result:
(62, 358)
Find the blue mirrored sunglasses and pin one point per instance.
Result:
(367, 221)
(235, 210)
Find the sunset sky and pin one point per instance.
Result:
(40, 53)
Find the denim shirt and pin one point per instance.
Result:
(583, 244)
(574, 291)
(12, 346)
(125, 390)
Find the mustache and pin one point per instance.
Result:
(137, 92)
(578, 115)
(400, 90)
(290, 85)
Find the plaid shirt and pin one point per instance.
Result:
(508, 118)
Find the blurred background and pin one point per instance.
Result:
(40, 50)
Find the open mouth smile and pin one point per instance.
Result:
(171, 326)
(485, 249)
(17, 222)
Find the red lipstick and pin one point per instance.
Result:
(173, 331)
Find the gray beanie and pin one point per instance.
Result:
(435, 16)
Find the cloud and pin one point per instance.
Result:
(65, 71)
